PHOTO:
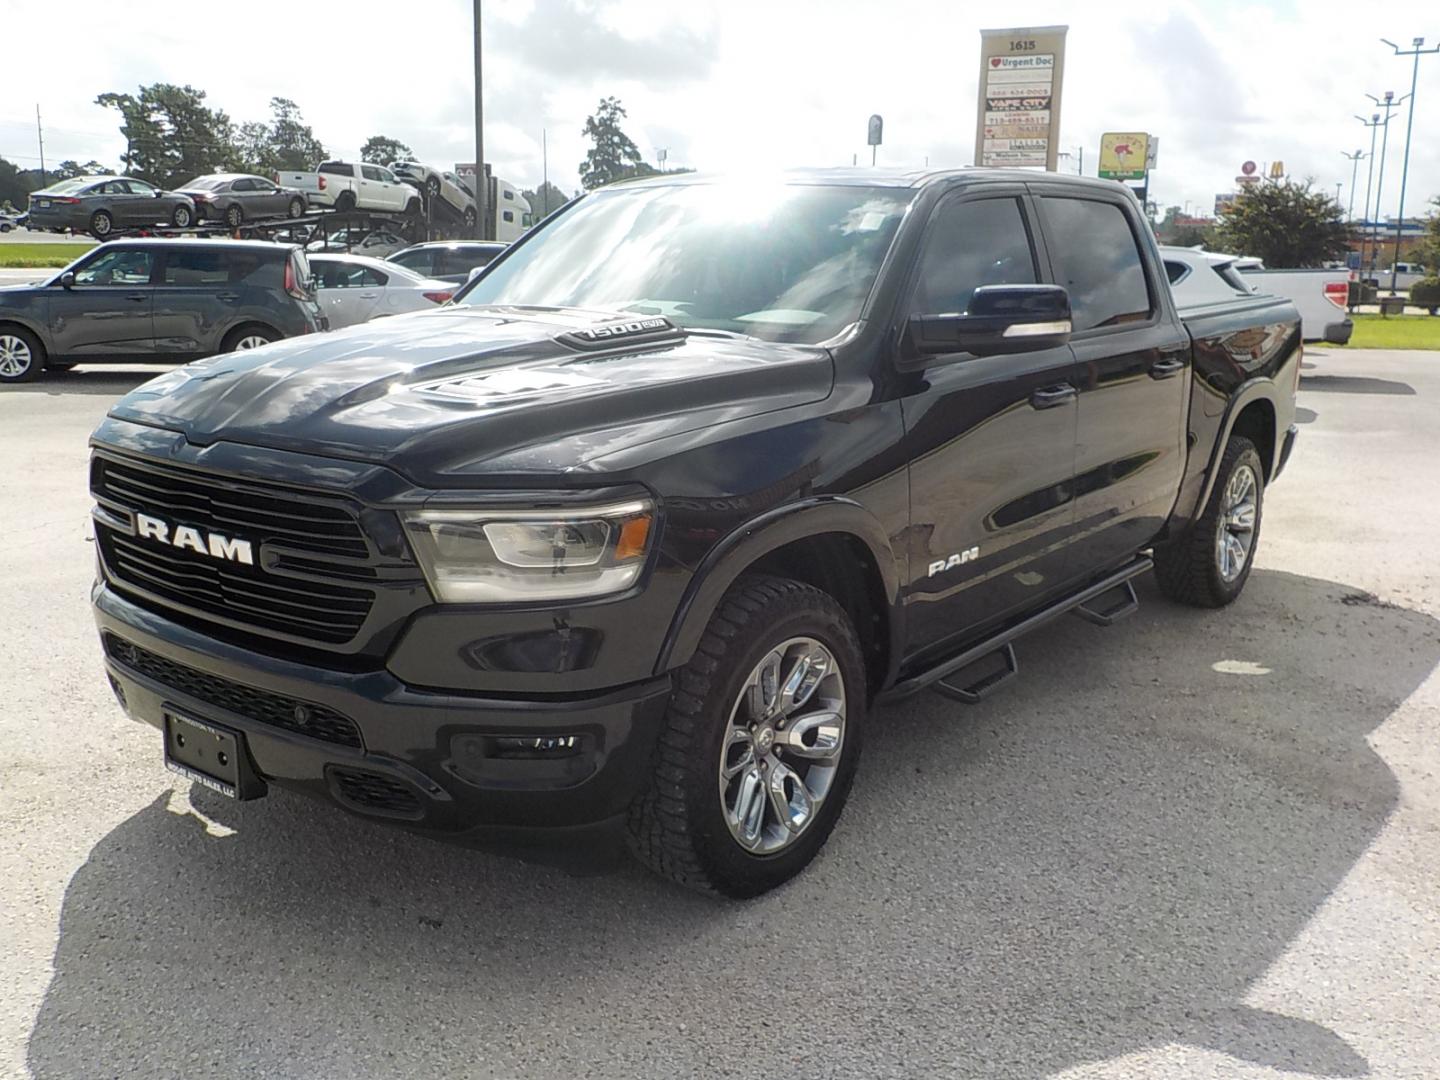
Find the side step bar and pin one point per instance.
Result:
(970, 693)
(1109, 608)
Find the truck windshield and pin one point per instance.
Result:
(779, 262)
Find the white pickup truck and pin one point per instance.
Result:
(1319, 295)
(347, 185)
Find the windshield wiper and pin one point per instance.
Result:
(714, 331)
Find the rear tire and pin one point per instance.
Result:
(736, 804)
(296, 207)
(248, 337)
(21, 355)
(234, 215)
(101, 224)
(1209, 565)
(432, 188)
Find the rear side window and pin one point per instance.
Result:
(461, 261)
(1232, 277)
(983, 242)
(210, 267)
(1177, 272)
(1098, 261)
(422, 262)
(336, 168)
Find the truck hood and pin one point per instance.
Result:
(461, 391)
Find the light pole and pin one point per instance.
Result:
(1354, 160)
(1416, 50)
(1387, 103)
(1373, 123)
(482, 189)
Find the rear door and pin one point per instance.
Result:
(348, 293)
(107, 313)
(1133, 373)
(991, 440)
(199, 294)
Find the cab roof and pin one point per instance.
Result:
(881, 177)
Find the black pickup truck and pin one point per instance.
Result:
(633, 537)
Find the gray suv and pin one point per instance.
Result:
(157, 301)
(101, 204)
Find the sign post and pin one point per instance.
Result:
(874, 131)
(1018, 112)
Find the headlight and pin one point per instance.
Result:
(510, 556)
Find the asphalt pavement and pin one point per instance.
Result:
(1196, 844)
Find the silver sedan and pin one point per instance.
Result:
(356, 288)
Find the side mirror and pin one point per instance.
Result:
(67, 279)
(999, 319)
(475, 271)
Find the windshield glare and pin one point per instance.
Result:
(780, 262)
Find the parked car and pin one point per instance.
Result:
(1405, 274)
(8, 221)
(101, 204)
(355, 288)
(377, 243)
(156, 301)
(238, 197)
(448, 260)
(347, 186)
(1320, 296)
(439, 184)
(1199, 277)
(633, 546)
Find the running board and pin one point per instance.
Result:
(1109, 608)
(955, 664)
(977, 691)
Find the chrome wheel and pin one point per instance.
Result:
(782, 746)
(15, 356)
(1235, 532)
(251, 341)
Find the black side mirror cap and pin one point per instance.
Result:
(999, 319)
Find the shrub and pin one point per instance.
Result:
(1426, 294)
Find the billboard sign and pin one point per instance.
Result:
(1018, 111)
(1123, 155)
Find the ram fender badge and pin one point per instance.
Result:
(960, 558)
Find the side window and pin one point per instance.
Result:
(527, 220)
(139, 187)
(371, 278)
(118, 267)
(115, 187)
(422, 262)
(265, 187)
(195, 268)
(509, 194)
(243, 184)
(1098, 261)
(509, 215)
(371, 172)
(1176, 272)
(971, 244)
(336, 168)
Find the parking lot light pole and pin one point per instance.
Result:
(481, 187)
(1354, 172)
(1387, 103)
(1373, 123)
(1417, 50)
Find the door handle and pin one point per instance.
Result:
(138, 297)
(1047, 397)
(1164, 369)
(368, 295)
(227, 296)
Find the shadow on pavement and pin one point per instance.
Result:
(1103, 859)
(1355, 384)
(99, 379)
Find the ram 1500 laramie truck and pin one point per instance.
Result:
(633, 536)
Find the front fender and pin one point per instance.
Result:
(742, 548)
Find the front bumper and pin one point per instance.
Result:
(436, 758)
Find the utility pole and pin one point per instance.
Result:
(1373, 124)
(40, 134)
(1416, 51)
(1354, 160)
(482, 185)
(1387, 103)
(544, 172)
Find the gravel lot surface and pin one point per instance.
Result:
(1197, 844)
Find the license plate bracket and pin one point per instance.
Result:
(210, 755)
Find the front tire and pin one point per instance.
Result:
(182, 217)
(345, 202)
(760, 743)
(21, 355)
(1208, 567)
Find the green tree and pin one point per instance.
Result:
(381, 150)
(545, 199)
(292, 144)
(70, 168)
(1285, 223)
(613, 155)
(171, 135)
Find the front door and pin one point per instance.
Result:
(107, 312)
(991, 440)
(1133, 358)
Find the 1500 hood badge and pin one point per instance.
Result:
(602, 335)
(190, 538)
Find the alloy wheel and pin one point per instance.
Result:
(782, 747)
(1235, 533)
(15, 356)
(251, 341)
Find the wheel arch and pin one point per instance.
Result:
(248, 323)
(34, 330)
(834, 544)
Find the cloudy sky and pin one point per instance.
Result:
(726, 84)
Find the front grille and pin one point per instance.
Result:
(279, 711)
(374, 793)
(325, 538)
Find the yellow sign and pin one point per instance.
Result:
(1123, 154)
(1277, 170)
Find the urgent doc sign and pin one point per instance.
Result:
(1018, 112)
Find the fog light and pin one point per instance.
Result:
(539, 746)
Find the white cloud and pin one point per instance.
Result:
(765, 83)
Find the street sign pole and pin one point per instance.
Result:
(1405, 161)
